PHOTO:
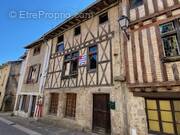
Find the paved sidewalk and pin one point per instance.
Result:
(40, 127)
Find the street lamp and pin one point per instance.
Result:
(124, 24)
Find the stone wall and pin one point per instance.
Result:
(129, 110)
(84, 107)
(4, 73)
(32, 60)
(136, 115)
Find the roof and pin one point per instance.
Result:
(23, 56)
(94, 8)
(10, 62)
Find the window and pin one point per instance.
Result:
(135, 3)
(70, 105)
(54, 103)
(60, 47)
(163, 116)
(103, 18)
(170, 35)
(77, 30)
(23, 106)
(67, 62)
(60, 44)
(60, 39)
(74, 63)
(71, 64)
(37, 50)
(33, 74)
(92, 57)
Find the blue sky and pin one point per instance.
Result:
(18, 28)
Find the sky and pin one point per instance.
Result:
(24, 21)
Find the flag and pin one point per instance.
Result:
(82, 59)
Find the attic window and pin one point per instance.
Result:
(37, 50)
(60, 44)
(60, 38)
(103, 18)
(77, 30)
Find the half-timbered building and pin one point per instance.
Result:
(152, 65)
(83, 85)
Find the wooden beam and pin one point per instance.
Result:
(162, 95)
(155, 15)
(72, 22)
(154, 84)
(105, 3)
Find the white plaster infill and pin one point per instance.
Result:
(19, 127)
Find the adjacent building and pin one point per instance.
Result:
(152, 65)
(31, 79)
(9, 77)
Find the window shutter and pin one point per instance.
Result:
(27, 104)
(67, 71)
(18, 102)
(38, 72)
(26, 75)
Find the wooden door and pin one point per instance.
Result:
(54, 103)
(101, 113)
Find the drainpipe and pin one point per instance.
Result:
(44, 70)
(45, 66)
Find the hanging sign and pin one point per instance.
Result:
(82, 59)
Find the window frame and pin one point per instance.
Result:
(70, 110)
(71, 74)
(176, 31)
(54, 102)
(72, 60)
(88, 65)
(135, 6)
(29, 79)
(77, 30)
(101, 16)
(60, 42)
(57, 46)
(23, 105)
(159, 115)
(37, 50)
(60, 39)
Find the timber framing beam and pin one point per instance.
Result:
(168, 11)
(156, 84)
(162, 95)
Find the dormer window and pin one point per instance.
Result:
(60, 44)
(77, 31)
(37, 50)
(103, 18)
(135, 3)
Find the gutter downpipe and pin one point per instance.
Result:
(45, 66)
